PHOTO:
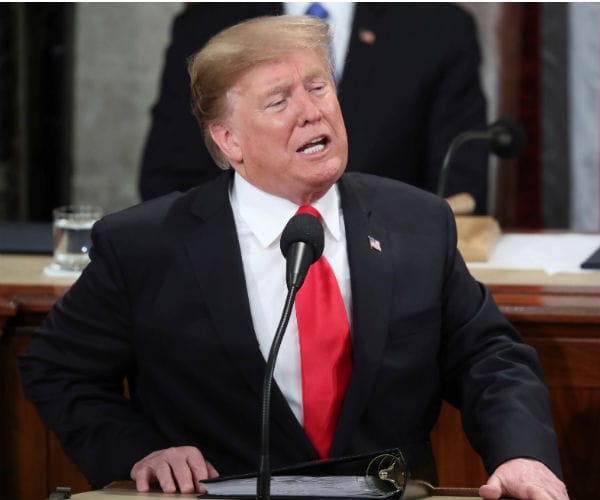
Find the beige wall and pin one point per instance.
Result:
(119, 52)
(487, 16)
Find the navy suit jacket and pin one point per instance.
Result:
(164, 303)
(403, 97)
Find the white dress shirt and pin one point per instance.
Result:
(341, 16)
(259, 219)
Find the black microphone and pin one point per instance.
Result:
(301, 244)
(506, 138)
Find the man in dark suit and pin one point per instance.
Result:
(410, 84)
(182, 296)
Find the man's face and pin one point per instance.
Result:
(285, 133)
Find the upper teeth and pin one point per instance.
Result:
(318, 146)
(314, 149)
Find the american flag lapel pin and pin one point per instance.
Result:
(374, 244)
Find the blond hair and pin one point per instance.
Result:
(215, 69)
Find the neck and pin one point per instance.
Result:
(308, 198)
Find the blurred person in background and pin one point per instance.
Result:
(408, 83)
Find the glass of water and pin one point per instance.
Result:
(72, 230)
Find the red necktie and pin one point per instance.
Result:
(325, 349)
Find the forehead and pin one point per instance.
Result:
(300, 64)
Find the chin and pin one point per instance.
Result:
(335, 169)
(323, 182)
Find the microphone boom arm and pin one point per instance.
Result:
(458, 141)
(506, 139)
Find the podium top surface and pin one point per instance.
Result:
(125, 495)
(126, 489)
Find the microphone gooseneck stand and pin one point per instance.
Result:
(458, 141)
(302, 242)
(506, 138)
(263, 484)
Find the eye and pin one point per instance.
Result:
(318, 88)
(277, 103)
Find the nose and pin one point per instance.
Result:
(308, 110)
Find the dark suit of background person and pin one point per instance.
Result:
(422, 70)
(164, 303)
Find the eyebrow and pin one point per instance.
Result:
(317, 73)
(276, 89)
(284, 86)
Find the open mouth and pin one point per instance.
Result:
(314, 146)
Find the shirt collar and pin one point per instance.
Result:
(266, 215)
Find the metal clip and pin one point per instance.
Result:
(387, 473)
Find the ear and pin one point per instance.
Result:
(225, 138)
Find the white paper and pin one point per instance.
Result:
(334, 486)
(554, 253)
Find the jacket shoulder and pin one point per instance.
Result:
(377, 189)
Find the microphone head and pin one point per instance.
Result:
(507, 137)
(303, 228)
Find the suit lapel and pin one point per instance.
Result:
(214, 252)
(371, 295)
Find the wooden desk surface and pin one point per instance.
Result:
(534, 277)
(29, 270)
(123, 494)
(116, 495)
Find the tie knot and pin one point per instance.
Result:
(315, 9)
(307, 209)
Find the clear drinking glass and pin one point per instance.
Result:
(72, 230)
